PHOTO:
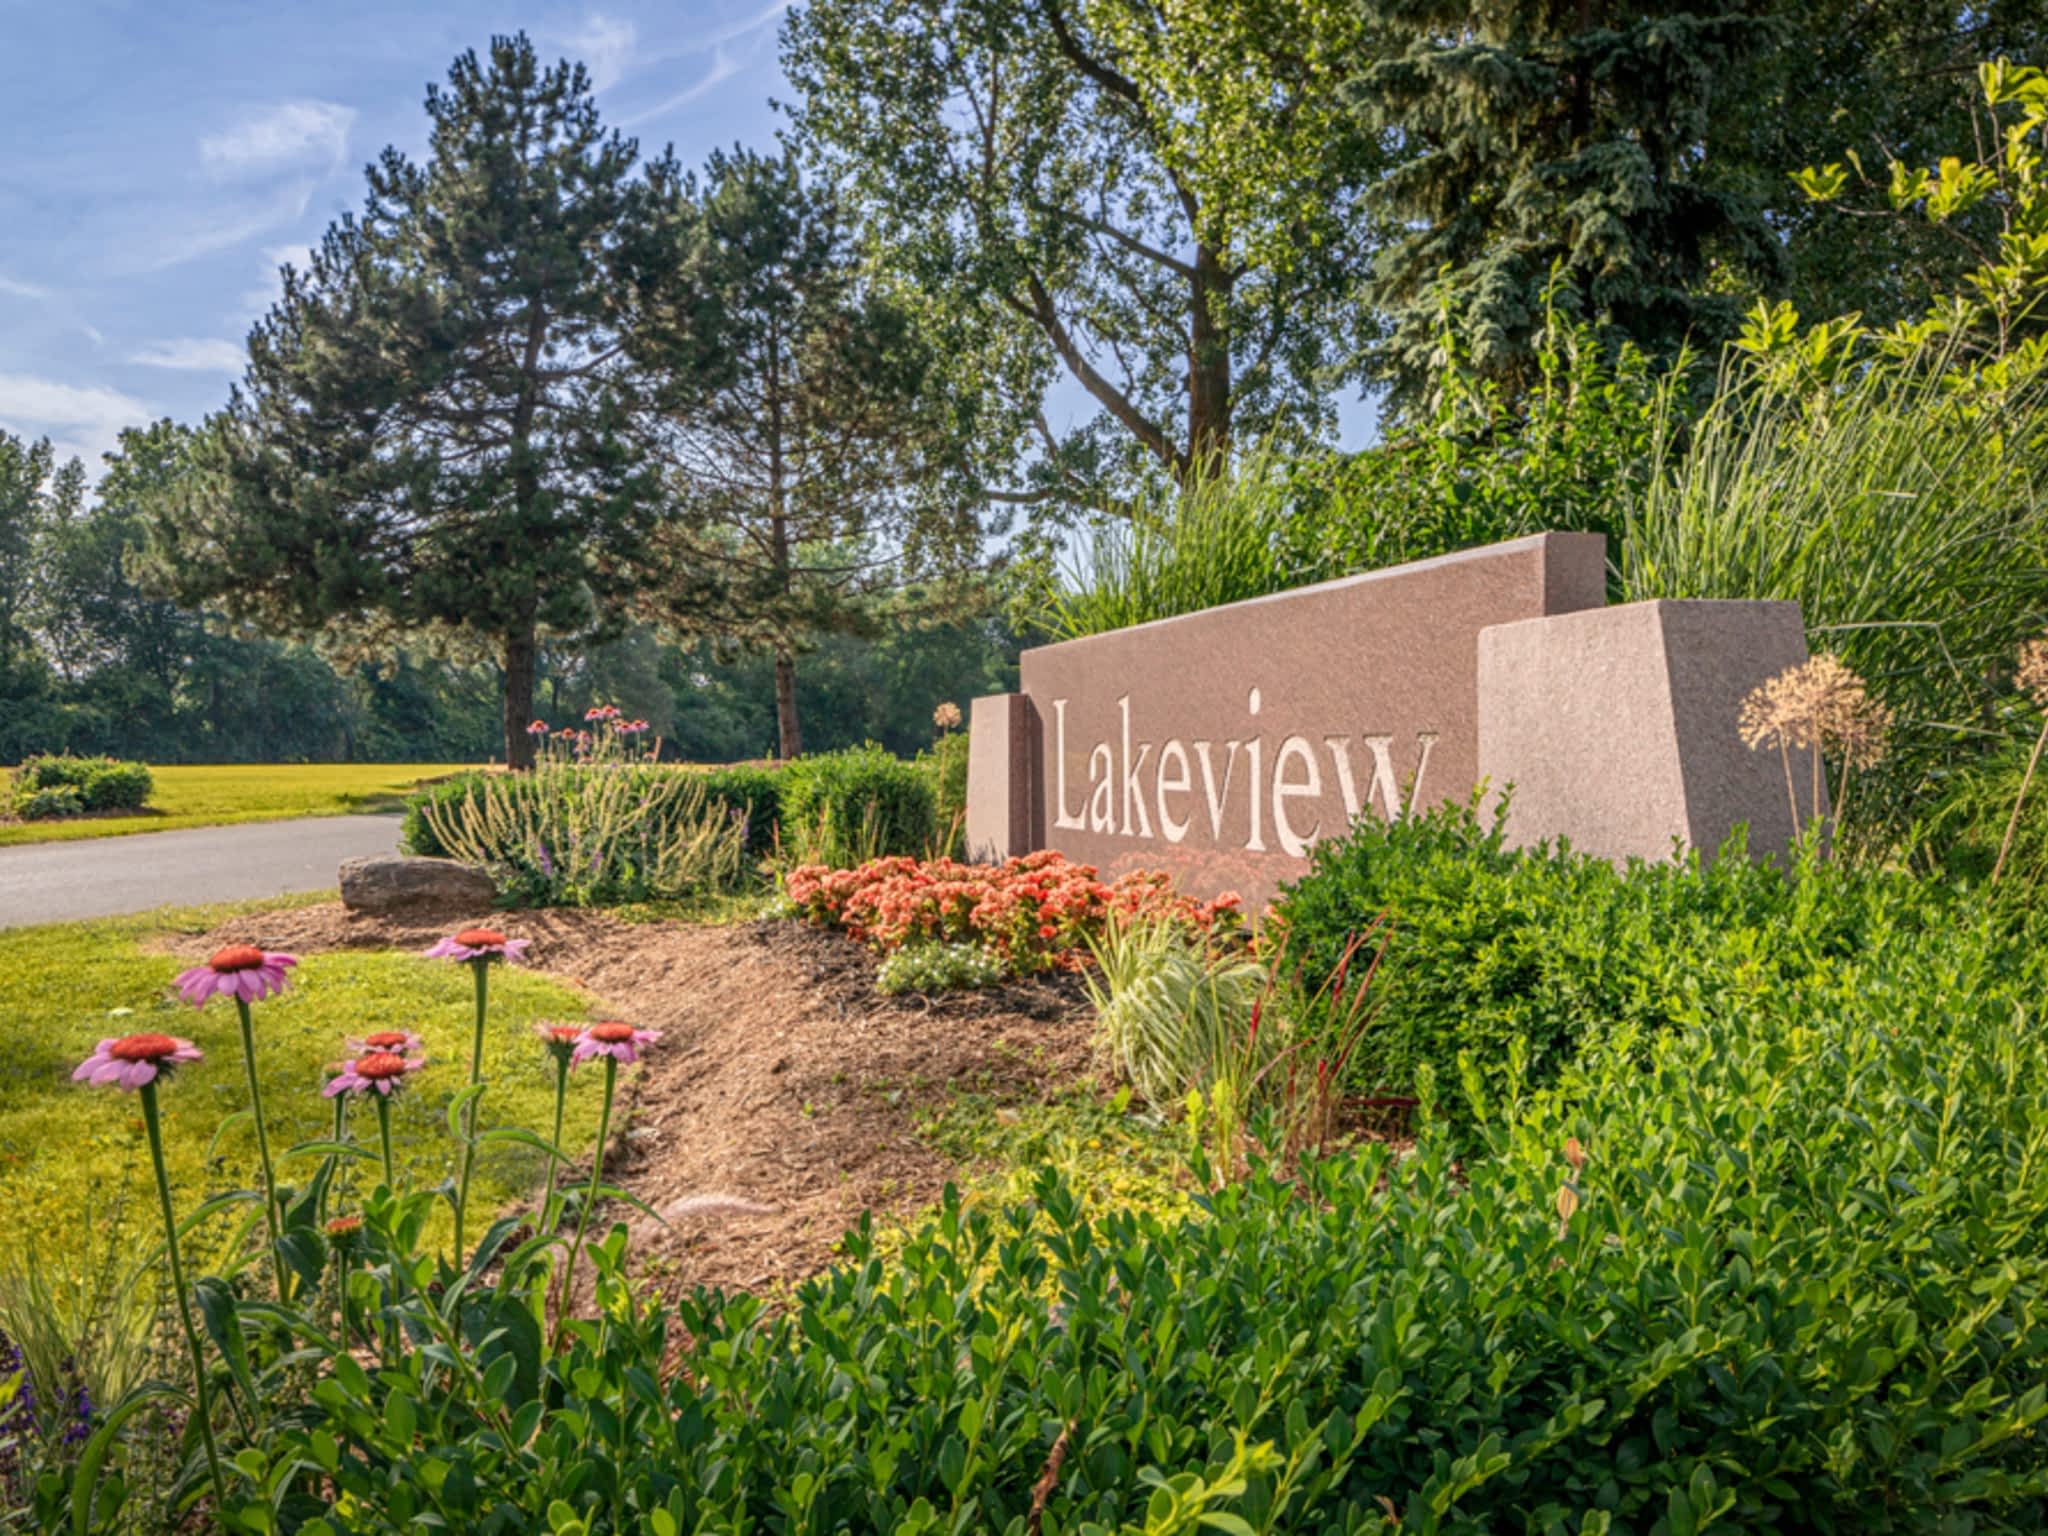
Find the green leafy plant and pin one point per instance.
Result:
(68, 786)
(570, 835)
(1170, 1010)
(843, 808)
(940, 968)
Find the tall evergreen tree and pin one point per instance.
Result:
(1567, 136)
(435, 431)
(812, 470)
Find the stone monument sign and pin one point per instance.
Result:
(1221, 745)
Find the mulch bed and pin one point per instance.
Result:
(783, 1099)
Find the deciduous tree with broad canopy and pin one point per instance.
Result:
(1160, 200)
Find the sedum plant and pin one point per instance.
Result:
(940, 968)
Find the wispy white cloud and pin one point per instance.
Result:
(193, 354)
(605, 45)
(290, 133)
(723, 68)
(195, 237)
(81, 422)
(21, 290)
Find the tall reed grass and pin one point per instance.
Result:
(1907, 516)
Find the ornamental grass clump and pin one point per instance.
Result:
(592, 832)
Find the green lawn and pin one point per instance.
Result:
(217, 795)
(74, 1167)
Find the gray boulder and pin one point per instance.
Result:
(394, 885)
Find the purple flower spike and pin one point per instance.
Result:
(240, 971)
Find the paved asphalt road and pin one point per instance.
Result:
(102, 876)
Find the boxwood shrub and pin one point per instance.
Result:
(1536, 949)
(68, 786)
(840, 808)
(1778, 1268)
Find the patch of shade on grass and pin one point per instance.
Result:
(219, 795)
(72, 1155)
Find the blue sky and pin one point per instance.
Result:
(162, 158)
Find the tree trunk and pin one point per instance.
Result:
(520, 656)
(1208, 366)
(787, 732)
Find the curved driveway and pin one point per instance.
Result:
(102, 876)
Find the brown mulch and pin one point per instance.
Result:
(783, 1099)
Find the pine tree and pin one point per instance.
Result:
(812, 468)
(436, 431)
(1566, 136)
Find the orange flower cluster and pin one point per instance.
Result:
(1036, 912)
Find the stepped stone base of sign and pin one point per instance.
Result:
(1002, 753)
(1617, 727)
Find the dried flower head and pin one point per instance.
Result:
(1820, 703)
(2033, 672)
(342, 1228)
(947, 716)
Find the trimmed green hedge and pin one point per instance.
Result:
(839, 808)
(45, 787)
(1538, 949)
(1783, 1268)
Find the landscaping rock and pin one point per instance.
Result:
(393, 884)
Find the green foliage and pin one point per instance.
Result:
(1080, 187)
(1906, 515)
(68, 786)
(1473, 466)
(591, 835)
(946, 762)
(1174, 550)
(1777, 1269)
(1517, 958)
(939, 968)
(843, 808)
(1538, 143)
(1169, 1012)
(432, 435)
(747, 792)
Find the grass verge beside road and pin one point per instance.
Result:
(74, 1167)
(219, 795)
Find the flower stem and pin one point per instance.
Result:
(153, 1123)
(604, 1125)
(482, 967)
(547, 1203)
(277, 1272)
(2013, 825)
(384, 1136)
(340, 1131)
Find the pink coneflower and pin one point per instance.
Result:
(478, 944)
(133, 1060)
(621, 1042)
(399, 1042)
(537, 728)
(241, 971)
(560, 1039)
(380, 1072)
